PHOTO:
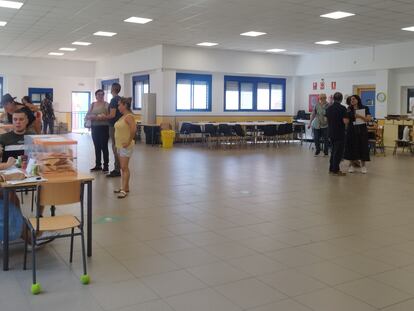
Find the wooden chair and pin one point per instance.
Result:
(55, 193)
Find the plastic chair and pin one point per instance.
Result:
(55, 193)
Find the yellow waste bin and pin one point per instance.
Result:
(167, 137)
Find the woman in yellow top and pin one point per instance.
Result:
(124, 138)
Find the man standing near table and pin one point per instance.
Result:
(337, 119)
(112, 117)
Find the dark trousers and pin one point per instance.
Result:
(337, 153)
(50, 124)
(317, 135)
(100, 137)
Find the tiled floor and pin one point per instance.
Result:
(263, 229)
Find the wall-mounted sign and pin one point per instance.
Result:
(322, 84)
(315, 86)
(333, 85)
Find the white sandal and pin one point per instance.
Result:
(122, 194)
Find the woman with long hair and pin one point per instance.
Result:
(100, 131)
(125, 129)
(356, 143)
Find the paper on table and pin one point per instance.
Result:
(361, 112)
(26, 180)
(11, 170)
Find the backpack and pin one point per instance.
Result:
(15, 217)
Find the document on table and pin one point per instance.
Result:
(26, 180)
(361, 112)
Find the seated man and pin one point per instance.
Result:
(10, 106)
(12, 143)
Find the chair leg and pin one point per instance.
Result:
(85, 277)
(35, 288)
(71, 245)
(32, 200)
(25, 228)
(52, 211)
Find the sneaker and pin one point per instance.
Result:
(95, 169)
(105, 169)
(317, 153)
(351, 169)
(114, 174)
(364, 170)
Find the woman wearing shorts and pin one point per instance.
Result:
(124, 138)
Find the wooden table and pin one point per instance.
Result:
(7, 188)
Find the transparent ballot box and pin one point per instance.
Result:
(55, 155)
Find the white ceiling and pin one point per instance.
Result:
(43, 26)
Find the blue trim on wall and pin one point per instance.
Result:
(193, 78)
(141, 78)
(255, 81)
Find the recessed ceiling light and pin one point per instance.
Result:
(326, 42)
(408, 28)
(56, 54)
(104, 33)
(67, 49)
(252, 33)
(81, 43)
(207, 44)
(11, 4)
(276, 50)
(3, 23)
(337, 15)
(138, 20)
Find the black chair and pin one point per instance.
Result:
(299, 131)
(240, 133)
(288, 132)
(210, 134)
(269, 133)
(225, 133)
(185, 131)
(195, 131)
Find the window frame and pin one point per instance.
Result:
(36, 90)
(410, 91)
(108, 83)
(255, 81)
(135, 79)
(194, 78)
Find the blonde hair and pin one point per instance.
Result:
(323, 95)
(126, 101)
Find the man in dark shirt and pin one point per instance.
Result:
(12, 142)
(337, 119)
(112, 117)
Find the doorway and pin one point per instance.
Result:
(80, 106)
(367, 94)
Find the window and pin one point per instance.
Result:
(106, 87)
(1, 86)
(140, 85)
(410, 100)
(38, 94)
(254, 94)
(193, 92)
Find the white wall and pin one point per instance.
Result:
(213, 60)
(62, 75)
(138, 61)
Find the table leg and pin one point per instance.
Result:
(5, 229)
(89, 219)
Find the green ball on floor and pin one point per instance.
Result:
(85, 279)
(36, 289)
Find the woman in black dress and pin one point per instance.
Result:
(356, 143)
